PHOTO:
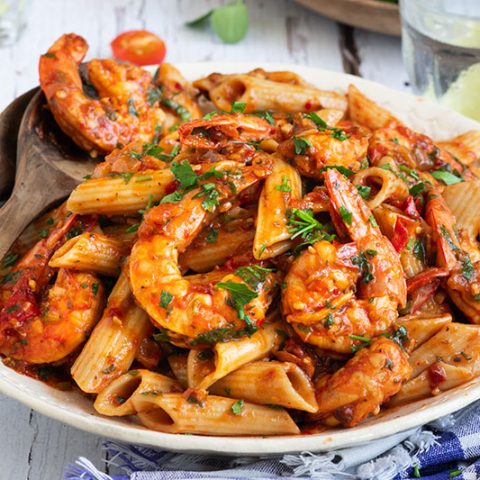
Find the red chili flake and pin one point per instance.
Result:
(436, 375)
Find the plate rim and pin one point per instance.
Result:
(445, 403)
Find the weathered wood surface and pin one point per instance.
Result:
(35, 447)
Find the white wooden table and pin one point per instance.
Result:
(33, 446)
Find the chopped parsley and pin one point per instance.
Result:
(184, 174)
(240, 295)
(301, 145)
(364, 266)
(12, 308)
(165, 299)
(127, 176)
(10, 259)
(180, 110)
(322, 126)
(253, 275)
(265, 114)
(153, 95)
(132, 228)
(284, 186)
(95, 287)
(237, 407)
(131, 107)
(43, 233)
(238, 107)
(345, 214)
(343, 170)
(364, 191)
(446, 235)
(417, 189)
(419, 250)
(467, 268)
(329, 321)
(304, 225)
(212, 236)
(365, 342)
(210, 194)
(416, 471)
(400, 335)
(372, 220)
(73, 232)
(455, 473)
(224, 334)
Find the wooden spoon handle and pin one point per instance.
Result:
(16, 214)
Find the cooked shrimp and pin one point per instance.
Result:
(412, 149)
(345, 144)
(98, 126)
(463, 284)
(171, 300)
(218, 131)
(336, 292)
(39, 324)
(359, 388)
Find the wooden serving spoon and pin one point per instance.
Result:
(49, 167)
(10, 120)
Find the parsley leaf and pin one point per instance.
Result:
(301, 145)
(345, 214)
(284, 186)
(212, 236)
(237, 407)
(165, 299)
(253, 275)
(364, 266)
(343, 170)
(240, 296)
(364, 191)
(238, 107)
(467, 268)
(10, 259)
(180, 110)
(184, 174)
(304, 225)
(266, 115)
(131, 107)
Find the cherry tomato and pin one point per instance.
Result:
(139, 47)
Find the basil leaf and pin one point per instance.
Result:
(230, 22)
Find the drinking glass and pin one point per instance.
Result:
(12, 20)
(441, 51)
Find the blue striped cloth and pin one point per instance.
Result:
(444, 449)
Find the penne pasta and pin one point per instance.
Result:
(421, 386)
(174, 413)
(460, 197)
(455, 344)
(272, 235)
(269, 383)
(465, 147)
(390, 186)
(262, 94)
(364, 111)
(91, 252)
(112, 346)
(422, 326)
(206, 366)
(119, 194)
(117, 398)
(179, 365)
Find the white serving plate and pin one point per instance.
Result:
(73, 409)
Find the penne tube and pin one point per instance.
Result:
(178, 364)
(456, 344)
(206, 366)
(113, 344)
(117, 398)
(262, 94)
(173, 413)
(91, 252)
(366, 112)
(422, 326)
(124, 193)
(460, 197)
(421, 387)
(270, 383)
(465, 147)
(272, 235)
(391, 187)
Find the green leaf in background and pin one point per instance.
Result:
(200, 21)
(229, 22)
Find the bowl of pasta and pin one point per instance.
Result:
(281, 256)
